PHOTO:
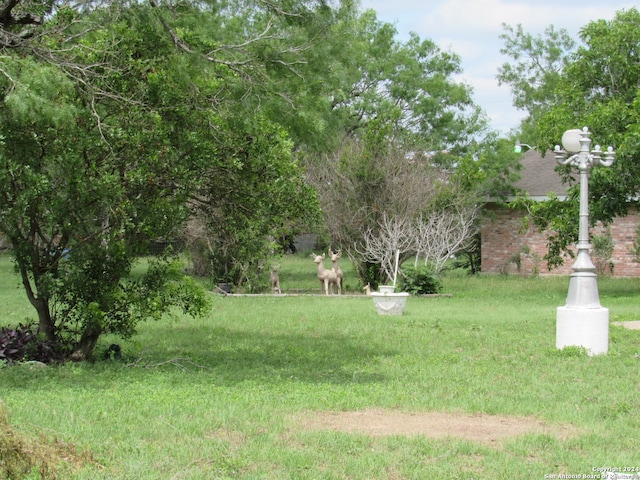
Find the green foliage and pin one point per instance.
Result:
(418, 280)
(537, 66)
(97, 295)
(401, 93)
(489, 170)
(36, 92)
(254, 198)
(370, 274)
(602, 252)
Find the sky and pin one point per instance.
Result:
(471, 29)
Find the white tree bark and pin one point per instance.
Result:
(444, 233)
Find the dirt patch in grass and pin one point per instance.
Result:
(474, 427)
(635, 325)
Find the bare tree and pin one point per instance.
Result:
(374, 208)
(395, 234)
(434, 238)
(371, 202)
(443, 233)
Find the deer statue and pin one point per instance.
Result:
(275, 279)
(327, 277)
(334, 260)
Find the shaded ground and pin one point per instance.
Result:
(479, 428)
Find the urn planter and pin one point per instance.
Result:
(387, 302)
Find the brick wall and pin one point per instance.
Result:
(507, 249)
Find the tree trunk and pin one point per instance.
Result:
(88, 341)
(41, 304)
(45, 321)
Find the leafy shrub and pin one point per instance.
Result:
(13, 343)
(98, 295)
(370, 273)
(23, 343)
(419, 281)
(603, 246)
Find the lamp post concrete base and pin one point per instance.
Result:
(583, 327)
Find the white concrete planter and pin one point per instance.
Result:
(389, 303)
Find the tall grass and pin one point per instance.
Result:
(221, 397)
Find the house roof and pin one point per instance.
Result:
(538, 177)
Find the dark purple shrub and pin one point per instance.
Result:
(23, 343)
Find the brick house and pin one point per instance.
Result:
(506, 248)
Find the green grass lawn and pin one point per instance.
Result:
(221, 397)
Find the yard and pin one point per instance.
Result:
(308, 387)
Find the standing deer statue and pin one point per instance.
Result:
(328, 278)
(275, 279)
(334, 260)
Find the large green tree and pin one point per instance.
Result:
(401, 93)
(114, 129)
(89, 175)
(597, 87)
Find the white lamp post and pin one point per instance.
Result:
(583, 321)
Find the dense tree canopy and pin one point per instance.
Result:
(113, 131)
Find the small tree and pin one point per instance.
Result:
(603, 246)
(419, 281)
(393, 235)
(374, 199)
(434, 238)
(443, 233)
(245, 202)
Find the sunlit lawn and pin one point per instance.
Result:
(218, 397)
